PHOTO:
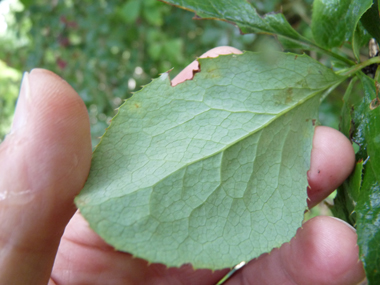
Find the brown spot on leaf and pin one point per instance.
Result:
(313, 121)
(374, 103)
(289, 97)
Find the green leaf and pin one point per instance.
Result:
(130, 11)
(26, 3)
(346, 198)
(154, 50)
(9, 81)
(213, 171)
(335, 21)
(172, 50)
(371, 21)
(346, 114)
(367, 136)
(245, 16)
(153, 16)
(265, 5)
(361, 38)
(358, 199)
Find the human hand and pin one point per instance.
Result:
(44, 163)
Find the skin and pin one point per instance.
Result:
(44, 163)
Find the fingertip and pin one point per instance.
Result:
(41, 72)
(324, 251)
(53, 96)
(44, 163)
(188, 72)
(332, 161)
(50, 135)
(60, 123)
(222, 50)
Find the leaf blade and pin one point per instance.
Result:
(371, 20)
(368, 208)
(187, 185)
(358, 198)
(334, 22)
(245, 16)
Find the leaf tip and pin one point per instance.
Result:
(164, 76)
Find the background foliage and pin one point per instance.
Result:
(107, 49)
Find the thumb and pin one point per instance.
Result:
(44, 163)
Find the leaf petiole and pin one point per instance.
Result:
(360, 66)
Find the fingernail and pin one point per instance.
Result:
(22, 108)
(344, 222)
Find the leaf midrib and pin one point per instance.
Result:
(287, 110)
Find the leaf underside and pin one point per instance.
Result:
(213, 171)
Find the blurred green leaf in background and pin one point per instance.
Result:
(106, 49)
(9, 80)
